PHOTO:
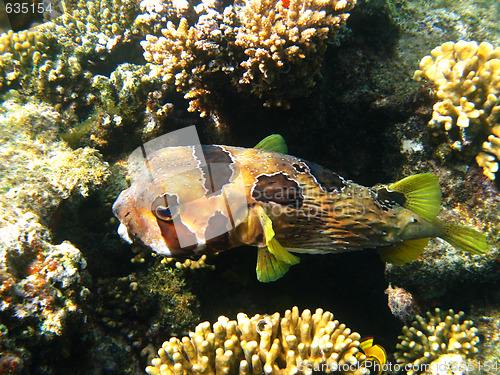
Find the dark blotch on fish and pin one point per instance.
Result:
(279, 189)
(388, 199)
(217, 170)
(300, 168)
(328, 180)
(217, 231)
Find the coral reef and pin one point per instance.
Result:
(262, 344)
(439, 334)
(40, 171)
(147, 302)
(18, 53)
(272, 49)
(42, 286)
(488, 324)
(85, 30)
(466, 77)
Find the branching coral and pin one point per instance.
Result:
(19, 52)
(263, 344)
(466, 76)
(270, 48)
(50, 55)
(439, 334)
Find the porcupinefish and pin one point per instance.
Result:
(181, 207)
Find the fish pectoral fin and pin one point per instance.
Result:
(272, 243)
(281, 253)
(269, 268)
(404, 252)
(464, 238)
(274, 142)
(422, 194)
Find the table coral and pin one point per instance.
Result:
(269, 48)
(438, 334)
(466, 77)
(263, 344)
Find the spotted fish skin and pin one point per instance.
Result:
(214, 206)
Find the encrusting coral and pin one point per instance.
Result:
(440, 334)
(189, 263)
(466, 78)
(268, 344)
(42, 285)
(270, 48)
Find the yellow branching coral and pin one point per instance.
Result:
(263, 344)
(270, 48)
(435, 337)
(466, 76)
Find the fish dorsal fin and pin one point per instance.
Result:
(463, 238)
(273, 261)
(274, 142)
(403, 252)
(422, 194)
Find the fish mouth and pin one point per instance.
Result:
(123, 232)
(132, 224)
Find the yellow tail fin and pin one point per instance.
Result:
(464, 238)
(422, 194)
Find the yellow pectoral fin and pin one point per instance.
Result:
(281, 253)
(403, 252)
(272, 243)
(422, 194)
(269, 268)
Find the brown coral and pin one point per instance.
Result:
(296, 344)
(466, 76)
(269, 48)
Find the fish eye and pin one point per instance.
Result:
(165, 208)
(415, 220)
(164, 213)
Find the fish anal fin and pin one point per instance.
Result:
(422, 194)
(464, 238)
(403, 252)
(269, 268)
(274, 142)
